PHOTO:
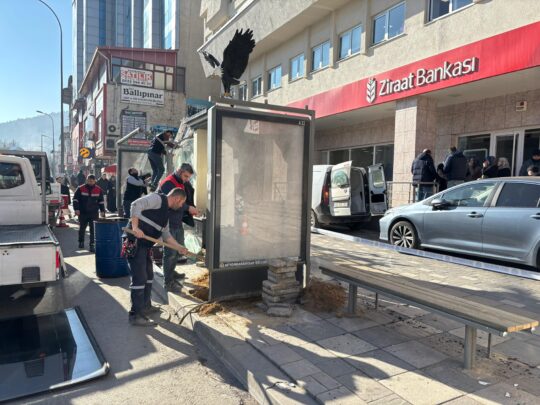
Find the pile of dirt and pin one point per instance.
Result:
(201, 290)
(210, 309)
(324, 296)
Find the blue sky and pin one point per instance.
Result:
(30, 61)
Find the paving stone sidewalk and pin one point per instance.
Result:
(400, 354)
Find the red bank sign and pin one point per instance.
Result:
(501, 54)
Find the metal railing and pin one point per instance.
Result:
(406, 192)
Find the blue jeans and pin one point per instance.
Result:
(170, 256)
(424, 191)
(156, 162)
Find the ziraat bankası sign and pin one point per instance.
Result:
(420, 77)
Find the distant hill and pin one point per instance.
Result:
(26, 132)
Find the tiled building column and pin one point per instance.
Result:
(415, 130)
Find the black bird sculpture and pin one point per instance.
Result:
(235, 59)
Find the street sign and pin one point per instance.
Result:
(86, 153)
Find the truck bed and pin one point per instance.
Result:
(26, 235)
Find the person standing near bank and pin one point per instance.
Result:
(424, 174)
(155, 156)
(149, 217)
(533, 161)
(179, 179)
(135, 188)
(455, 167)
(88, 201)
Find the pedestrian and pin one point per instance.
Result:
(135, 188)
(533, 170)
(179, 179)
(81, 178)
(103, 184)
(111, 195)
(455, 167)
(424, 174)
(441, 178)
(533, 161)
(88, 201)
(504, 167)
(64, 188)
(155, 156)
(73, 181)
(474, 169)
(150, 216)
(490, 169)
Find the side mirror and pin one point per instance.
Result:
(440, 204)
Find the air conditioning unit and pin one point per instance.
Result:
(113, 129)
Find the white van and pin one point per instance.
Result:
(347, 195)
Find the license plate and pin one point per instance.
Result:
(341, 204)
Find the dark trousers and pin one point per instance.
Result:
(142, 276)
(84, 221)
(127, 208)
(156, 162)
(170, 256)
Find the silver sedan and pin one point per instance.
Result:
(495, 218)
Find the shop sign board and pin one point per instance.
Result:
(136, 77)
(142, 96)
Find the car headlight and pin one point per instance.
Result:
(390, 211)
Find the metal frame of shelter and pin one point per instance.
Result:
(245, 279)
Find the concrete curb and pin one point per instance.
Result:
(264, 381)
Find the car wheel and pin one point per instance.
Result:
(314, 221)
(403, 234)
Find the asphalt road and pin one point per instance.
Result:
(164, 365)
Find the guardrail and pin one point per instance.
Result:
(406, 191)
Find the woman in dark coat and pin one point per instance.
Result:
(111, 195)
(504, 167)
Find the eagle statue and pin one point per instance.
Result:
(235, 59)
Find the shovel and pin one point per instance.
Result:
(193, 256)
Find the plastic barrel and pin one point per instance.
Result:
(108, 235)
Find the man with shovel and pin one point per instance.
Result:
(149, 221)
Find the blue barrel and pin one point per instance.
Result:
(108, 234)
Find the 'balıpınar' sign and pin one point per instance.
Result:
(143, 96)
(136, 77)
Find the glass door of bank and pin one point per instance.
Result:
(515, 145)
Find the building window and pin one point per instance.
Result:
(438, 8)
(476, 147)
(320, 56)
(274, 78)
(297, 67)
(364, 156)
(349, 42)
(147, 21)
(163, 77)
(256, 87)
(389, 24)
(168, 24)
(102, 22)
(242, 92)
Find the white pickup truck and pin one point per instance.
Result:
(30, 254)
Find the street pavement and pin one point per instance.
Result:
(166, 365)
(397, 354)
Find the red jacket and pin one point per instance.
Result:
(89, 200)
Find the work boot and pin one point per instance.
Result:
(173, 287)
(92, 248)
(81, 245)
(179, 276)
(140, 320)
